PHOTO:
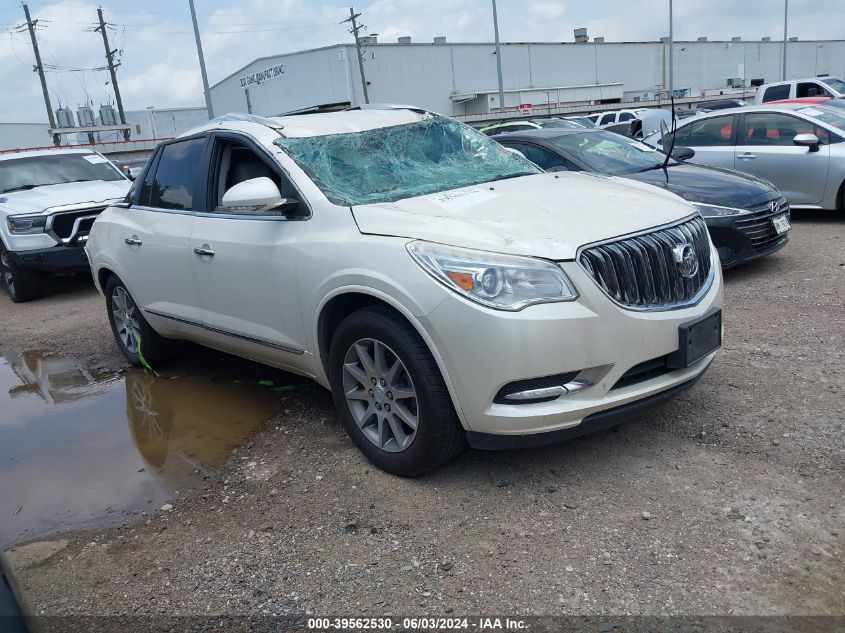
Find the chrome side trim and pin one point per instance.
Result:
(251, 339)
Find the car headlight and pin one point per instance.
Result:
(504, 282)
(715, 211)
(26, 224)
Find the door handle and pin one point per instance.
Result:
(132, 241)
(747, 155)
(204, 251)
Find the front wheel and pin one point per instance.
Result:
(140, 343)
(390, 394)
(22, 284)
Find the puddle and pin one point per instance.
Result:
(79, 448)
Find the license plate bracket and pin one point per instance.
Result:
(696, 339)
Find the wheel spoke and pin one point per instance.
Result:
(357, 373)
(403, 393)
(379, 358)
(398, 433)
(405, 415)
(369, 412)
(357, 394)
(364, 358)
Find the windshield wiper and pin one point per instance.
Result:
(20, 188)
(657, 166)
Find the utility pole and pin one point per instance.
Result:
(355, 29)
(202, 62)
(785, 38)
(110, 59)
(39, 68)
(671, 53)
(498, 57)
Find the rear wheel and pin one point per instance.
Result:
(22, 284)
(390, 394)
(136, 339)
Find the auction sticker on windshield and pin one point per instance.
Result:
(460, 200)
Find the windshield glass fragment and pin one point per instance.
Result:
(402, 161)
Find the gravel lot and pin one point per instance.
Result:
(728, 500)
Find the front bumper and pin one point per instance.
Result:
(740, 244)
(483, 350)
(58, 259)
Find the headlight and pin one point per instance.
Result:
(714, 211)
(26, 224)
(504, 282)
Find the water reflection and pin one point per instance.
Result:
(78, 448)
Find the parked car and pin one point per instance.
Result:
(721, 104)
(131, 168)
(48, 202)
(444, 288)
(584, 121)
(797, 88)
(529, 124)
(611, 117)
(799, 149)
(747, 217)
(831, 102)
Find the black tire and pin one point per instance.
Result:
(155, 349)
(439, 436)
(22, 284)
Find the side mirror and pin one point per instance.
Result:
(807, 140)
(257, 195)
(683, 153)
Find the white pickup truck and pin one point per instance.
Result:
(48, 201)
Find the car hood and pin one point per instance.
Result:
(69, 193)
(710, 185)
(542, 215)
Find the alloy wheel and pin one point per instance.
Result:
(380, 395)
(125, 314)
(8, 280)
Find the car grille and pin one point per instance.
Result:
(642, 372)
(758, 226)
(64, 224)
(641, 272)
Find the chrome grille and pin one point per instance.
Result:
(640, 272)
(758, 226)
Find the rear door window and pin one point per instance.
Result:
(775, 93)
(625, 116)
(710, 132)
(610, 117)
(176, 175)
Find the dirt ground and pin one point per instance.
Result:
(728, 500)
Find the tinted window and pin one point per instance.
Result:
(773, 128)
(176, 174)
(542, 157)
(775, 93)
(610, 117)
(810, 89)
(625, 116)
(708, 132)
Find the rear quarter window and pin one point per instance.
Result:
(775, 93)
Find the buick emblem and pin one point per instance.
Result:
(686, 260)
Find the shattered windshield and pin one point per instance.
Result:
(402, 161)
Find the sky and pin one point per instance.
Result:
(158, 59)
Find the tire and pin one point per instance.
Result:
(123, 312)
(22, 284)
(376, 418)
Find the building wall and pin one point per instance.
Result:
(427, 75)
(16, 135)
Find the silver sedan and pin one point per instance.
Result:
(799, 148)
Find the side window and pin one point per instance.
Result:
(542, 157)
(775, 93)
(609, 117)
(176, 175)
(236, 162)
(681, 138)
(711, 132)
(810, 89)
(625, 116)
(774, 128)
(147, 184)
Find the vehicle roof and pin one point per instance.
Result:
(793, 81)
(317, 124)
(28, 153)
(762, 107)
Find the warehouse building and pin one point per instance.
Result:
(459, 79)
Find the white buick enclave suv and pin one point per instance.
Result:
(445, 289)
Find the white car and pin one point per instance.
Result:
(611, 117)
(48, 202)
(800, 88)
(443, 288)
